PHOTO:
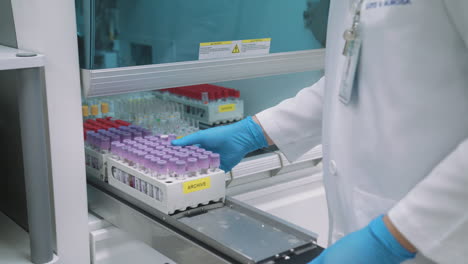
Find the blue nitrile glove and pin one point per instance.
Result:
(373, 244)
(232, 142)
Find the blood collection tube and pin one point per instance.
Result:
(207, 153)
(147, 163)
(215, 161)
(180, 170)
(192, 167)
(105, 144)
(172, 166)
(161, 169)
(183, 156)
(204, 164)
(115, 147)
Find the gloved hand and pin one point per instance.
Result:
(232, 142)
(373, 244)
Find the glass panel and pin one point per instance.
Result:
(139, 32)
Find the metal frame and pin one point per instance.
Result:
(35, 159)
(32, 117)
(151, 77)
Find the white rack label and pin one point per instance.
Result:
(235, 48)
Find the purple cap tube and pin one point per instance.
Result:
(124, 152)
(164, 138)
(167, 157)
(192, 167)
(146, 132)
(114, 147)
(207, 153)
(184, 150)
(141, 159)
(115, 138)
(200, 150)
(105, 143)
(183, 156)
(203, 163)
(147, 162)
(172, 137)
(136, 134)
(161, 169)
(125, 135)
(134, 156)
(180, 169)
(178, 148)
(215, 161)
(160, 148)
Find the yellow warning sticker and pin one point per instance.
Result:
(227, 108)
(256, 40)
(234, 48)
(215, 43)
(197, 185)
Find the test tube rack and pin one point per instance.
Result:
(171, 195)
(209, 104)
(95, 163)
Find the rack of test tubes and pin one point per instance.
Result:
(209, 104)
(147, 167)
(168, 178)
(144, 109)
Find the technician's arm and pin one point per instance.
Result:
(295, 125)
(296, 121)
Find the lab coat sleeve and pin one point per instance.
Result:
(433, 216)
(295, 125)
(457, 11)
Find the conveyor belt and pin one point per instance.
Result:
(241, 233)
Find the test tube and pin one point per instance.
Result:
(172, 166)
(115, 147)
(124, 153)
(125, 135)
(172, 137)
(200, 150)
(192, 167)
(204, 164)
(161, 169)
(147, 162)
(183, 156)
(164, 138)
(105, 144)
(146, 132)
(180, 170)
(215, 161)
(141, 160)
(115, 137)
(207, 153)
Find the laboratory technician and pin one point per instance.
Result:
(394, 131)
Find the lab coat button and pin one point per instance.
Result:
(332, 168)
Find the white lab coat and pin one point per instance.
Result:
(400, 146)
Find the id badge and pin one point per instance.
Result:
(352, 52)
